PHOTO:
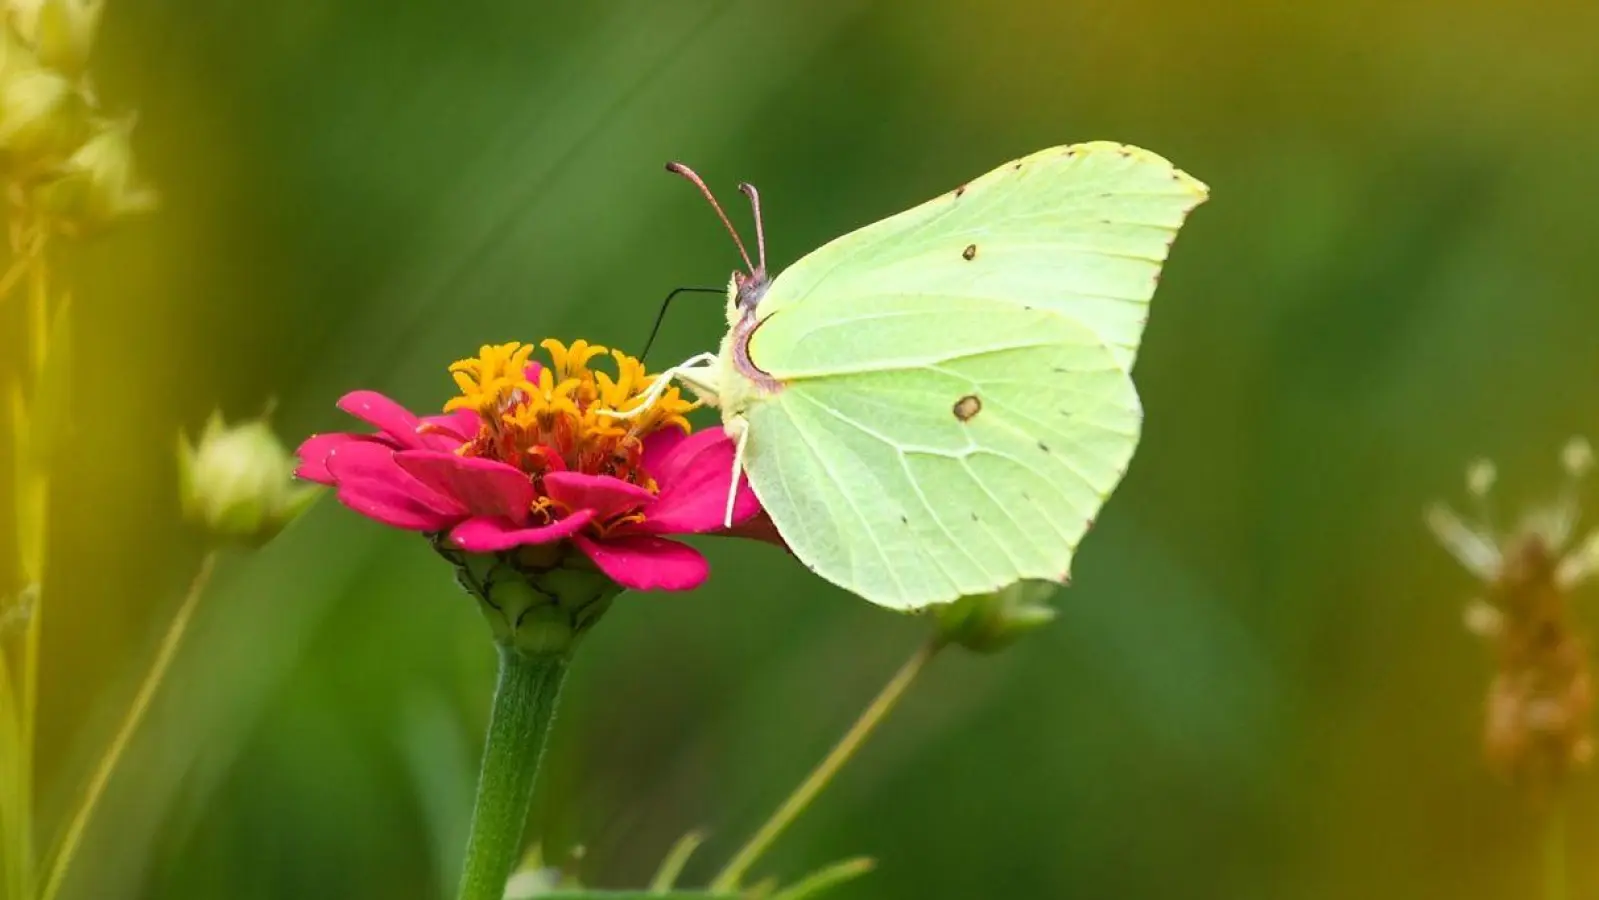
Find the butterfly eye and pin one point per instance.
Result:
(750, 289)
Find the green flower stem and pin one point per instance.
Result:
(157, 673)
(1554, 852)
(730, 876)
(524, 707)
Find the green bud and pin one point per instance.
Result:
(541, 600)
(990, 622)
(97, 185)
(43, 119)
(60, 31)
(238, 481)
(15, 54)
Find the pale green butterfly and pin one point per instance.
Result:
(938, 404)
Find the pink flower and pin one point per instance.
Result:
(528, 459)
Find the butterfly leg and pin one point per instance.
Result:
(662, 382)
(738, 471)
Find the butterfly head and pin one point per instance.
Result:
(747, 288)
(744, 293)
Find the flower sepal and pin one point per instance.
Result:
(539, 602)
(991, 622)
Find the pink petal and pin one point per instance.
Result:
(608, 497)
(484, 486)
(373, 484)
(485, 535)
(383, 414)
(313, 453)
(453, 427)
(644, 562)
(658, 447)
(760, 528)
(693, 488)
(531, 372)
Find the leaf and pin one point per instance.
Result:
(676, 859)
(635, 895)
(52, 394)
(14, 809)
(819, 881)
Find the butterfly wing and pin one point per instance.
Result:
(955, 403)
(925, 449)
(1081, 230)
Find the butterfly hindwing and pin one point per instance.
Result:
(950, 467)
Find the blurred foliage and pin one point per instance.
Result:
(1258, 685)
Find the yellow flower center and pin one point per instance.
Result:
(557, 420)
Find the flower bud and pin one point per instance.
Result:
(239, 481)
(990, 622)
(60, 31)
(539, 599)
(15, 54)
(43, 119)
(97, 184)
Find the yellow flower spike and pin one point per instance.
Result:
(488, 381)
(573, 361)
(629, 376)
(607, 392)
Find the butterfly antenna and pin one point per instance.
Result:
(678, 168)
(760, 229)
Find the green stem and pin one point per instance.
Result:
(1554, 853)
(101, 776)
(524, 707)
(730, 876)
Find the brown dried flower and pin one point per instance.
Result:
(1538, 717)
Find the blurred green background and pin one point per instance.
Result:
(1259, 685)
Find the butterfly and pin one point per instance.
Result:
(939, 403)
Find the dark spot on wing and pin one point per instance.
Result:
(967, 406)
(960, 190)
(905, 520)
(970, 252)
(1017, 167)
(1043, 446)
(974, 517)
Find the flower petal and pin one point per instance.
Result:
(489, 535)
(383, 414)
(453, 428)
(484, 486)
(313, 454)
(693, 488)
(760, 528)
(608, 497)
(373, 484)
(643, 562)
(658, 448)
